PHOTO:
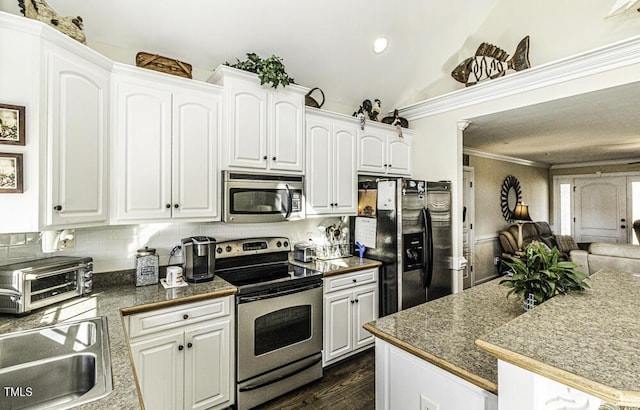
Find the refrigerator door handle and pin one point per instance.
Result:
(427, 270)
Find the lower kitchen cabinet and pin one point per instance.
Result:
(183, 355)
(350, 300)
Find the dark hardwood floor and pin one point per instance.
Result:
(347, 385)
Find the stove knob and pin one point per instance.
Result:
(278, 244)
(228, 248)
(219, 250)
(286, 244)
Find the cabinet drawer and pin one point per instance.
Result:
(168, 318)
(350, 280)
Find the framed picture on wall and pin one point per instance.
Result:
(12, 120)
(10, 173)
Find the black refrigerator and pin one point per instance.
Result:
(406, 224)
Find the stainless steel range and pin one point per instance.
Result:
(279, 318)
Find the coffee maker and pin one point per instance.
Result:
(199, 258)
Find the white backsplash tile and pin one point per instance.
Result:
(113, 248)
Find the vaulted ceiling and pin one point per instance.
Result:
(327, 44)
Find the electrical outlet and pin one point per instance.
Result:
(496, 260)
(428, 404)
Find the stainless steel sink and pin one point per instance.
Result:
(55, 367)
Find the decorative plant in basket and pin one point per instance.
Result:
(269, 70)
(540, 274)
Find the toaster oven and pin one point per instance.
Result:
(30, 285)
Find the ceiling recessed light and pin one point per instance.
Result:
(380, 44)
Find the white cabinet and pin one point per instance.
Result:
(77, 104)
(263, 127)
(331, 183)
(350, 300)
(381, 151)
(165, 149)
(404, 381)
(184, 355)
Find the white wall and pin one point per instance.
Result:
(557, 29)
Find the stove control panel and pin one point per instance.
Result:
(252, 246)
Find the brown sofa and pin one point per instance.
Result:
(531, 231)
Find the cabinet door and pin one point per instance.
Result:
(319, 169)
(372, 152)
(345, 184)
(194, 152)
(77, 111)
(286, 139)
(159, 364)
(142, 152)
(247, 126)
(208, 365)
(399, 155)
(366, 310)
(338, 325)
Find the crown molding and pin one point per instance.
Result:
(504, 158)
(596, 163)
(599, 60)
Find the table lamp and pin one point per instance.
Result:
(521, 215)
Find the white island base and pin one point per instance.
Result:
(404, 381)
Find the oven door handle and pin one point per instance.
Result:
(244, 299)
(282, 376)
(36, 276)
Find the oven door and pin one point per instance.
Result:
(277, 330)
(47, 287)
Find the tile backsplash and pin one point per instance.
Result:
(113, 248)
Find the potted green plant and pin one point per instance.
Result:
(540, 274)
(270, 70)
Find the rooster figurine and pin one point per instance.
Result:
(41, 11)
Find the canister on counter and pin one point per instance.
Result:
(147, 266)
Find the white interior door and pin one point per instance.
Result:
(601, 209)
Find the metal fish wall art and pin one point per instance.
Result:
(491, 62)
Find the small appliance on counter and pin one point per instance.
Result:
(147, 266)
(199, 258)
(304, 252)
(30, 285)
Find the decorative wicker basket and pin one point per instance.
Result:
(163, 64)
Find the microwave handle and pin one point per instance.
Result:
(290, 202)
(36, 276)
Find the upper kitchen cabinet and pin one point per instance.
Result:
(77, 107)
(331, 186)
(263, 126)
(64, 88)
(164, 147)
(381, 151)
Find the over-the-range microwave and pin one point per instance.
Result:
(251, 198)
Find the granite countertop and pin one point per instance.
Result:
(112, 301)
(339, 266)
(587, 340)
(443, 331)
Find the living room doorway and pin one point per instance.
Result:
(597, 209)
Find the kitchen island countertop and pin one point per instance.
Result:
(443, 331)
(587, 340)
